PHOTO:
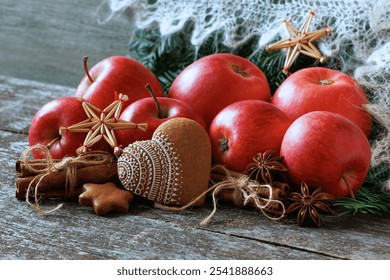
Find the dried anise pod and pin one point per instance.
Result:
(308, 205)
(264, 165)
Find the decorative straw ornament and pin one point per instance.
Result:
(300, 42)
(101, 124)
(173, 168)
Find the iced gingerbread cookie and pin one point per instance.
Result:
(173, 168)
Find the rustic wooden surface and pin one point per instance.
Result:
(45, 40)
(75, 232)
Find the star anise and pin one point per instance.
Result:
(264, 166)
(308, 205)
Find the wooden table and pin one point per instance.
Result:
(75, 232)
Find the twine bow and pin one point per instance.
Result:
(246, 191)
(69, 165)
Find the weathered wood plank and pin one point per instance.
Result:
(75, 232)
(350, 237)
(21, 99)
(45, 40)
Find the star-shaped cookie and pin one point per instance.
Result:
(105, 198)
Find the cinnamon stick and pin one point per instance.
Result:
(35, 164)
(53, 184)
(279, 189)
(235, 196)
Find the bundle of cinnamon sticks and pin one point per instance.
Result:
(55, 183)
(270, 195)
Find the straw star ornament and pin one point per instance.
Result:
(101, 124)
(300, 41)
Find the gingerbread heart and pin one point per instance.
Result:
(173, 168)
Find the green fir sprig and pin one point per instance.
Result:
(168, 56)
(367, 200)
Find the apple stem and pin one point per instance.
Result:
(349, 187)
(53, 141)
(150, 90)
(85, 61)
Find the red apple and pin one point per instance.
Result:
(44, 128)
(325, 149)
(154, 112)
(213, 82)
(321, 89)
(119, 74)
(246, 128)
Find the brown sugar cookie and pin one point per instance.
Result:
(173, 168)
(105, 198)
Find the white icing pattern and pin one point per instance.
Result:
(152, 169)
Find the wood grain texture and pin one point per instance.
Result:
(75, 232)
(45, 40)
(20, 100)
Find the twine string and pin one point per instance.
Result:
(69, 165)
(246, 191)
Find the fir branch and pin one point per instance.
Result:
(167, 57)
(271, 64)
(367, 200)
